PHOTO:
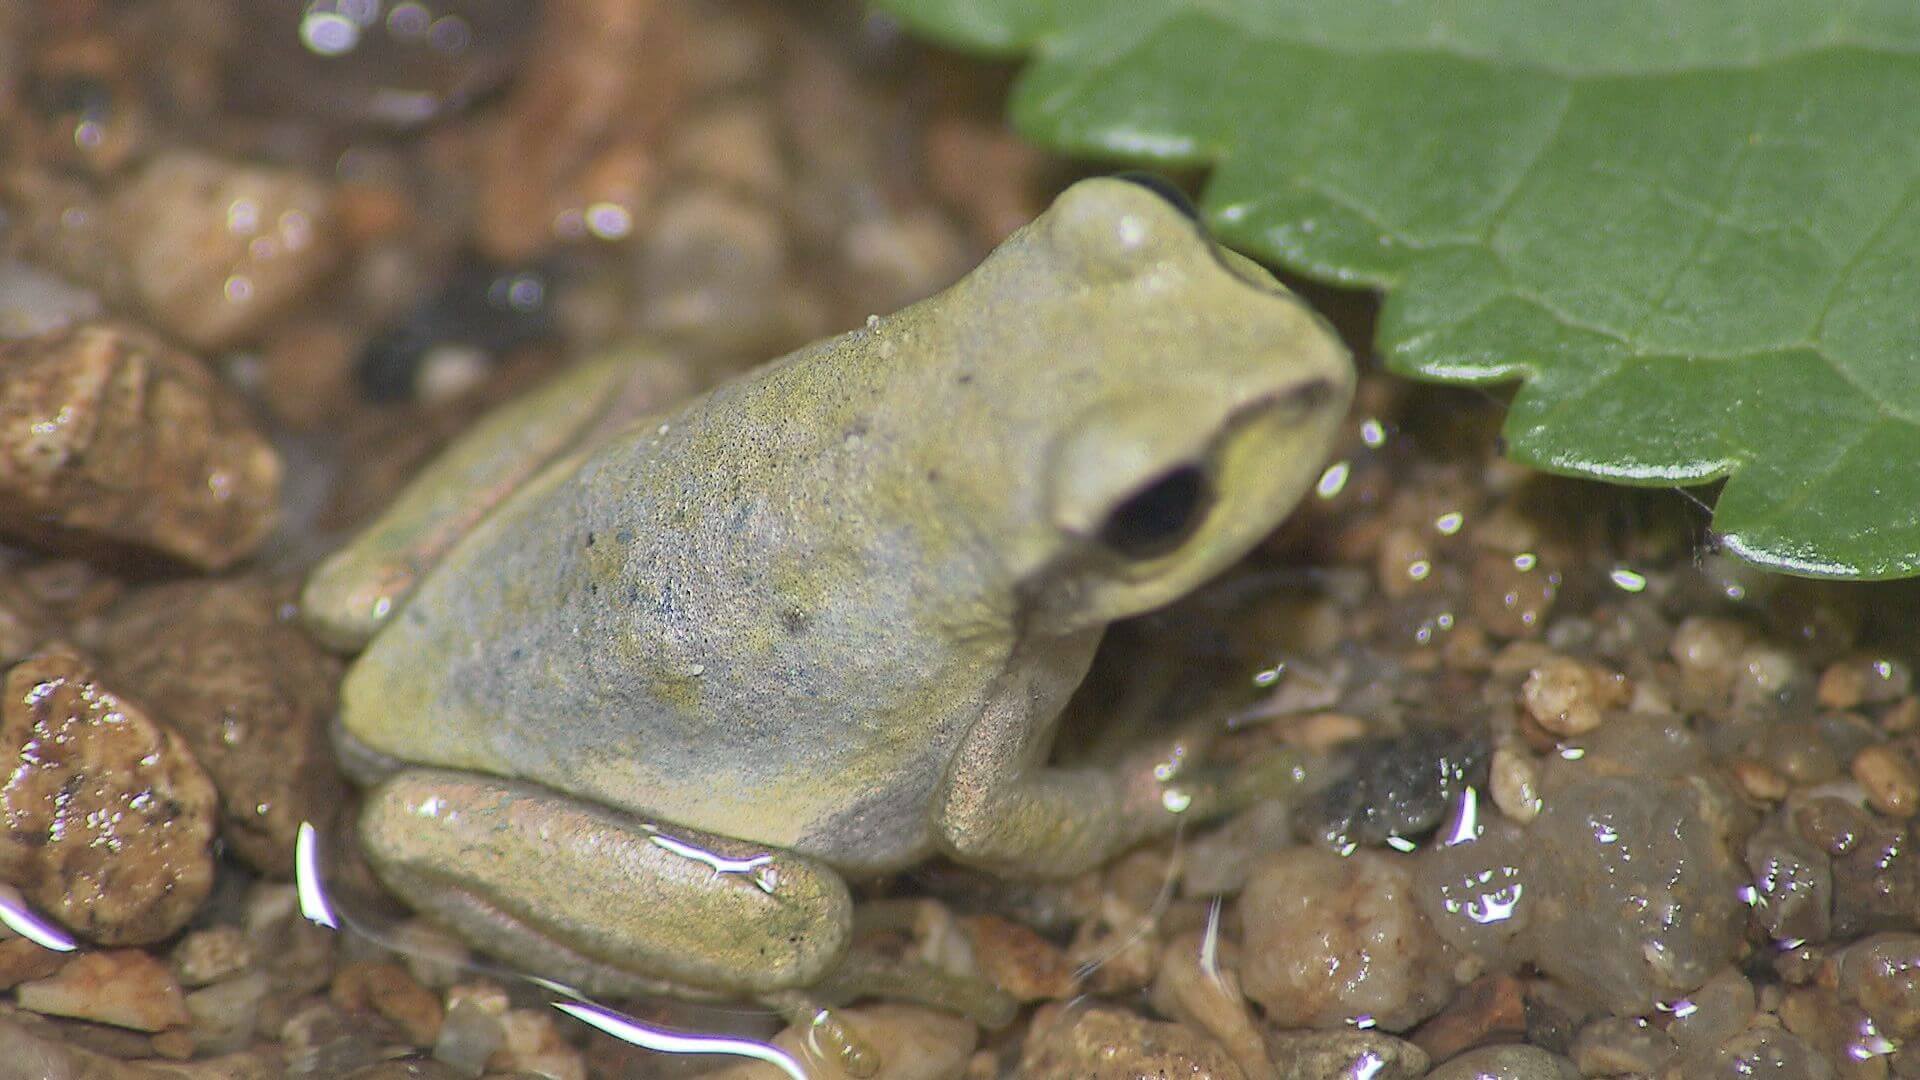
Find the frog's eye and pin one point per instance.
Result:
(1164, 188)
(1154, 520)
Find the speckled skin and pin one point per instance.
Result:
(827, 614)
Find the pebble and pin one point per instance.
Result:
(1345, 1055)
(24, 626)
(113, 443)
(1708, 649)
(1509, 1062)
(250, 693)
(1890, 780)
(1861, 680)
(207, 956)
(123, 987)
(1199, 984)
(1330, 940)
(1623, 1045)
(1762, 1052)
(1098, 1043)
(1017, 960)
(404, 64)
(711, 271)
(1569, 698)
(1635, 886)
(733, 143)
(387, 989)
(1490, 1009)
(531, 1041)
(1400, 788)
(1513, 781)
(407, 1070)
(1219, 861)
(22, 959)
(913, 1043)
(109, 819)
(217, 247)
(584, 124)
(1511, 595)
(1881, 974)
(223, 1014)
(1875, 875)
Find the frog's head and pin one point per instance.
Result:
(1187, 402)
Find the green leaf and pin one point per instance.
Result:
(1690, 225)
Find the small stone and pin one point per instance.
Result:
(1514, 782)
(1492, 1008)
(388, 990)
(175, 1045)
(218, 247)
(22, 959)
(223, 1014)
(1882, 975)
(1616, 1045)
(112, 443)
(207, 956)
(1708, 649)
(1509, 1062)
(1570, 698)
(912, 1043)
(1017, 960)
(469, 1035)
(225, 665)
(123, 987)
(1331, 939)
(1095, 1043)
(735, 144)
(407, 1070)
(108, 818)
(1512, 595)
(584, 124)
(308, 368)
(711, 270)
(1890, 780)
(1199, 984)
(1344, 1055)
(1720, 1009)
(1759, 780)
(531, 1042)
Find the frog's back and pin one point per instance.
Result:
(734, 620)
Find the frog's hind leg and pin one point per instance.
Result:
(353, 593)
(602, 900)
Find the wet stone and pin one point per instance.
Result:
(1400, 788)
(109, 819)
(123, 987)
(1331, 939)
(1511, 1062)
(1341, 1055)
(218, 247)
(113, 443)
(249, 692)
(1081, 1043)
(1876, 877)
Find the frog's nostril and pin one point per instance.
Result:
(1155, 519)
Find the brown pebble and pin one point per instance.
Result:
(1491, 1009)
(21, 960)
(216, 247)
(109, 819)
(1101, 1043)
(1512, 595)
(387, 989)
(207, 956)
(1568, 697)
(1759, 780)
(1903, 716)
(1017, 960)
(112, 443)
(532, 1042)
(1890, 780)
(123, 987)
(584, 125)
(251, 694)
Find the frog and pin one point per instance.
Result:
(648, 672)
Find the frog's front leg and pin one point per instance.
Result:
(1004, 808)
(613, 904)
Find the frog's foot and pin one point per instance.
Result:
(607, 902)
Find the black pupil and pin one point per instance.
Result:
(1153, 520)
